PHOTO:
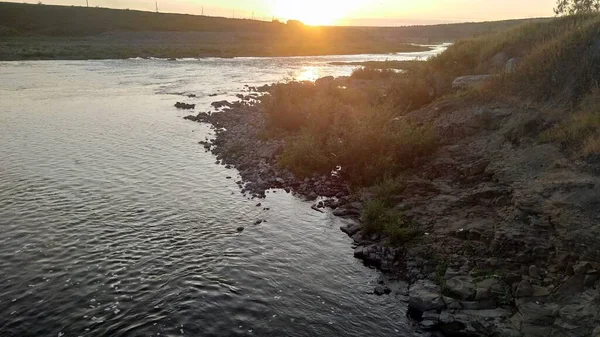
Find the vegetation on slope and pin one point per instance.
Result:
(359, 127)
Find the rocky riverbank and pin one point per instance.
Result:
(509, 226)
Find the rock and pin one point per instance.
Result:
(590, 280)
(524, 289)
(482, 295)
(430, 320)
(358, 252)
(240, 229)
(462, 287)
(538, 314)
(280, 181)
(424, 296)
(534, 273)
(382, 290)
(185, 106)
(220, 104)
(325, 80)
(511, 65)
(451, 272)
(471, 82)
(540, 291)
(499, 60)
(582, 268)
(351, 229)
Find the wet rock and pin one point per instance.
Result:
(184, 106)
(351, 228)
(382, 290)
(240, 229)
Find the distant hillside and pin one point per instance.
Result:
(26, 19)
(69, 32)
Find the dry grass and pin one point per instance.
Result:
(579, 132)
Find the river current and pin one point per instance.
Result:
(114, 221)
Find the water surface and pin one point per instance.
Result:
(115, 222)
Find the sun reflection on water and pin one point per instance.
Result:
(309, 74)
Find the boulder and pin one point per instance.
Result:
(351, 228)
(471, 82)
(424, 296)
(462, 287)
(538, 314)
(511, 65)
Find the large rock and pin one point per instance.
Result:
(425, 296)
(461, 287)
(471, 82)
(511, 65)
(538, 314)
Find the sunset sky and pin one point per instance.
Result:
(343, 12)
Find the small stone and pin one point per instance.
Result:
(240, 229)
(534, 272)
(258, 205)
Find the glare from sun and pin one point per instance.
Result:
(314, 12)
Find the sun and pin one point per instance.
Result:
(314, 12)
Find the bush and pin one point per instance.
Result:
(355, 129)
(304, 156)
(370, 73)
(377, 217)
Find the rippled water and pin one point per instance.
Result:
(115, 222)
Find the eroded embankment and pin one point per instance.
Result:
(507, 225)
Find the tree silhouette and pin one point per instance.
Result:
(570, 7)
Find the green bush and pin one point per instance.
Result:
(377, 217)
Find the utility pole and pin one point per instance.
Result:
(156, 6)
(87, 3)
(202, 10)
(233, 16)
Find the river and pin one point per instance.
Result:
(115, 222)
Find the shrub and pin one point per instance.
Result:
(370, 73)
(304, 156)
(578, 133)
(377, 217)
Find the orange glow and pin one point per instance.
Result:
(315, 12)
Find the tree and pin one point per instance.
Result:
(570, 7)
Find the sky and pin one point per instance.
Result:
(341, 12)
